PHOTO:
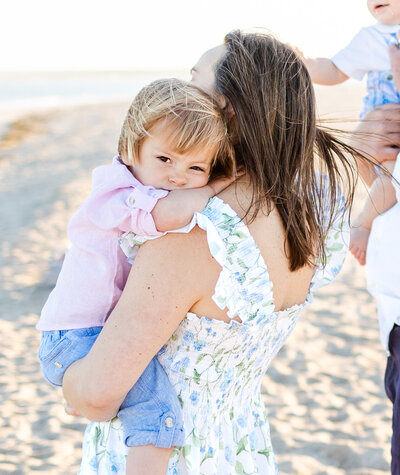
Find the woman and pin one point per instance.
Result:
(215, 305)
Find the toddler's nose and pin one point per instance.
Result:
(178, 180)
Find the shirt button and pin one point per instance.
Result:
(169, 422)
(131, 200)
(58, 364)
(389, 77)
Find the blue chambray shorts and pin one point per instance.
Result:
(151, 413)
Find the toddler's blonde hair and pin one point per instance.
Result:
(191, 117)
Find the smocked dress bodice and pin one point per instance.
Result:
(217, 368)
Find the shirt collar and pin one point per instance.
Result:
(387, 28)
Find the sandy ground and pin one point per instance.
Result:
(324, 391)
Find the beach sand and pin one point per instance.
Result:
(324, 391)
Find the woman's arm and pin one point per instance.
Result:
(160, 290)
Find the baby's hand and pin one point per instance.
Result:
(70, 410)
(219, 184)
(358, 243)
(297, 50)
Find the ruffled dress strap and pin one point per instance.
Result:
(243, 286)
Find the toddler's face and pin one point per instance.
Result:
(385, 11)
(160, 166)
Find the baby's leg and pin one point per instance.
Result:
(358, 242)
(60, 348)
(382, 196)
(147, 460)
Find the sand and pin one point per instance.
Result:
(324, 391)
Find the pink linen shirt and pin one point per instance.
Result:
(95, 269)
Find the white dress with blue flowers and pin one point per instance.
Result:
(217, 367)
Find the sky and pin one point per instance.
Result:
(102, 35)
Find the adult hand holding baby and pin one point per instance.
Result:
(378, 135)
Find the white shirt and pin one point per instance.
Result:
(383, 264)
(367, 51)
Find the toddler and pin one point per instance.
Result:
(367, 54)
(172, 141)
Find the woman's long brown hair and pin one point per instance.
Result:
(279, 144)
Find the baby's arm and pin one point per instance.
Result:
(323, 71)
(382, 196)
(177, 208)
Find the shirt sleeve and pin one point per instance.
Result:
(140, 203)
(126, 209)
(355, 59)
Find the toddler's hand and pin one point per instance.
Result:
(220, 184)
(358, 243)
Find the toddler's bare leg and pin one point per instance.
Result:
(147, 460)
(382, 196)
(358, 242)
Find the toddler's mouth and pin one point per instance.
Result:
(380, 6)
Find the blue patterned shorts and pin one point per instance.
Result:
(380, 90)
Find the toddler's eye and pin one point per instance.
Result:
(164, 159)
(199, 169)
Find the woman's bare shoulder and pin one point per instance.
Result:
(172, 243)
(238, 196)
(185, 263)
(182, 252)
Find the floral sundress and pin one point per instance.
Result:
(217, 368)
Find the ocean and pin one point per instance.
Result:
(22, 93)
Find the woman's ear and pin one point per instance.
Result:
(225, 104)
(229, 109)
